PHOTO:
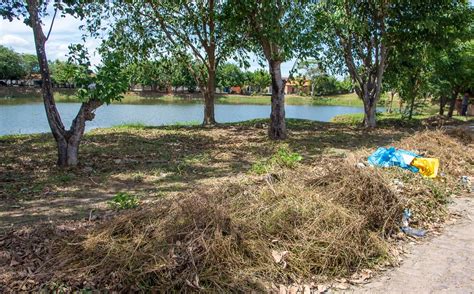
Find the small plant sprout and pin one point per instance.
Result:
(123, 200)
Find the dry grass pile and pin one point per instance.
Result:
(456, 158)
(428, 197)
(281, 228)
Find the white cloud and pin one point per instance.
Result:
(14, 41)
(65, 31)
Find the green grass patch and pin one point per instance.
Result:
(284, 157)
(123, 200)
(131, 126)
(383, 119)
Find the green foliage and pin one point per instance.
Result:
(107, 83)
(284, 157)
(278, 30)
(30, 63)
(329, 85)
(427, 57)
(259, 80)
(11, 64)
(259, 167)
(453, 69)
(123, 200)
(63, 72)
(230, 75)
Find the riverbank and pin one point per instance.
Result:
(219, 209)
(394, 119)
(16, 95)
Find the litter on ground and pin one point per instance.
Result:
(406, 226)
(387, 157)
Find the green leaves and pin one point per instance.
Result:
(109, 81)
(229, 75)
(12, 65)
(277, 30)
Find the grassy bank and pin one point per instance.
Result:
(396, 119)
(219, 209)
(15, 95)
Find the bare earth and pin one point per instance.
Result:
(444, 264)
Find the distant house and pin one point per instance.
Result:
(297, 86)
(294, 86)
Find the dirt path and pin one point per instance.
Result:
(444, 264)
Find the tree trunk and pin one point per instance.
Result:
(67, 141)
(442, 103)
(392, 94)
(370, 107)
(412, 107)
(277, 128)
(209, 96)
(452, 103)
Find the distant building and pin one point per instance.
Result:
(298, 86)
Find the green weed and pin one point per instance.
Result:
(284, 157)
(123, 200)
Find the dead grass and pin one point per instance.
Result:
(321, 219)
(223, 239)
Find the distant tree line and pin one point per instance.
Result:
(23, 69)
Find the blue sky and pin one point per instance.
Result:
(19, 37)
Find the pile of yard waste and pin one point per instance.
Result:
(306, 224)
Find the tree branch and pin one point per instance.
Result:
(52, 22)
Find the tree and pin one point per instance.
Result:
(277, 31)
(94, 90)
(182, 77)
(453, 73)
(353, 33)
(408, 72)
(11, 64)
(359, 35)
(177, 28)
(154, 73)
(62, 72)
(230, 75)
(30, 63)
(259, 80)
(426, 42)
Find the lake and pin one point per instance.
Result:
(28, 118)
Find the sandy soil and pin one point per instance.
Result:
(444, 264)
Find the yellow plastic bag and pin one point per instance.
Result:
(428, 166)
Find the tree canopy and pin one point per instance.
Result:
(12, 65)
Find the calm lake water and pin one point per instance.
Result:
(28, 118)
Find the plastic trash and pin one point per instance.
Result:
(428, 167)
(406, 225)
(386, 157)
(413, 232)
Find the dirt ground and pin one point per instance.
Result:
(150, 163)
(444, 264)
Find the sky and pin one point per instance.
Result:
(19, 37)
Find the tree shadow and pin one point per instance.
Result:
(150, 162)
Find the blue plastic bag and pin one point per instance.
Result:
(386, 157)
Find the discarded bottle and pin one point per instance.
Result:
(406, 227)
